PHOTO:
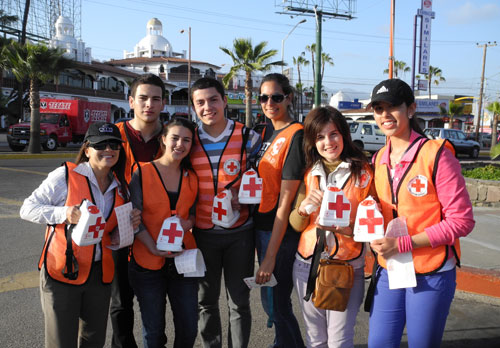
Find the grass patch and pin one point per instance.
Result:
(488, 172)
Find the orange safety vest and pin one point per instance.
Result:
(416, 199)
(129, 152)
(229, 168)
(53, 256)
(156, 208)
(345, 246)
(271, 166)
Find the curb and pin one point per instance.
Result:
(39, 155)
(469, 279)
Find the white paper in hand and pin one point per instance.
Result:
(190, 263)
(124, 235)
(400, 268)
(250, 282)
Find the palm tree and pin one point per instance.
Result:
(455, 109)
(435, 73)
(494, 108)
(249, 59)
(39, 64)
(299, 61)
(399, 65)
(325, 59)
(6, 20)
(312, 48)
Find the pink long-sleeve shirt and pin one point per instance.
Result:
(458, 220)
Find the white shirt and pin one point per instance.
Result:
(46, 204)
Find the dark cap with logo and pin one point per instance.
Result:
(101, 131)
(392, 91)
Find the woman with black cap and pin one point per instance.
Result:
(418, 181)
(75, 292)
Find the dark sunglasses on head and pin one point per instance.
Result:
(277, 98)
(113, 145)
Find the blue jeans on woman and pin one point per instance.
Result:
(287, 330)
(152, 289)
(423, 309)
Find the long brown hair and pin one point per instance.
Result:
(182, 122)
(315, 122)
(118, 169)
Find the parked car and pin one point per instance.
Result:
(457, 138)
(367, 136)
(484, 138)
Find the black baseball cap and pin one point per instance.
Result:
(101, 131)
(392, 91)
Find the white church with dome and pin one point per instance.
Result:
(65, 40)
(153, 44)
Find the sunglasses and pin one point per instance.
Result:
(277, 98)
(113, 145)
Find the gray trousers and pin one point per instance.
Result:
(75, 316)
(233, 254)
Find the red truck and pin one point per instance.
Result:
(61, 121)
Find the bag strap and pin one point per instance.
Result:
(313, 272)
(370, 293)
(70, 270)
(246, 134)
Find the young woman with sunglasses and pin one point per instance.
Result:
(75, 299)
(164, 187)
(281, 167)
(331, 159)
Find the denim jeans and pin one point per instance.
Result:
(423, 309)
(287, 330)
(152, 289)
(231, 254)
(121, 311)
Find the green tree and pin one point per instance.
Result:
(399, 65)
(325, 59)
(249, 59)
(434, 76)
(6, 20)
(455, 109)
(300, 61)
(39, 64)
(494, 108)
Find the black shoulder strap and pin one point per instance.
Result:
(313, 272)
(70, 270)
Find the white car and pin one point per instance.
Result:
(367, 136)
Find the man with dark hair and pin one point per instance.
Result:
(223, 149)
(141, 137)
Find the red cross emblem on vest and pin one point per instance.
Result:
(220, 211)
(339, 206)
(97, 227)
(418, 186)
(252, 186)
(371, 221)
(231, 166)
(172, 232)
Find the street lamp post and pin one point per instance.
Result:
(189, 71)
(283, 42)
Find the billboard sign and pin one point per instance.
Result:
(425, 12)
(431, 105)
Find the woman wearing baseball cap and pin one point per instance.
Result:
(419, 181)
(75, 281)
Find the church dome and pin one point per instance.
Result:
(154, 38)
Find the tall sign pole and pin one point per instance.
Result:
(317, 63)
(391, 44)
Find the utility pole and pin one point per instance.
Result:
(391, 44)
(480, 105)
(317, 86)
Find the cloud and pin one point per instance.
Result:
(471, 13)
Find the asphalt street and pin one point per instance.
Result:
(474, 320)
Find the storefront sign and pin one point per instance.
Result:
(431, 105)
(425, 12)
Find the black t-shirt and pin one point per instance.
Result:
(293, 169)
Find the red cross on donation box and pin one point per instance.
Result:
(222, 210)
(335, 208)
(251, 188)
(171, 235)
(91, 225)
(369, 223)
